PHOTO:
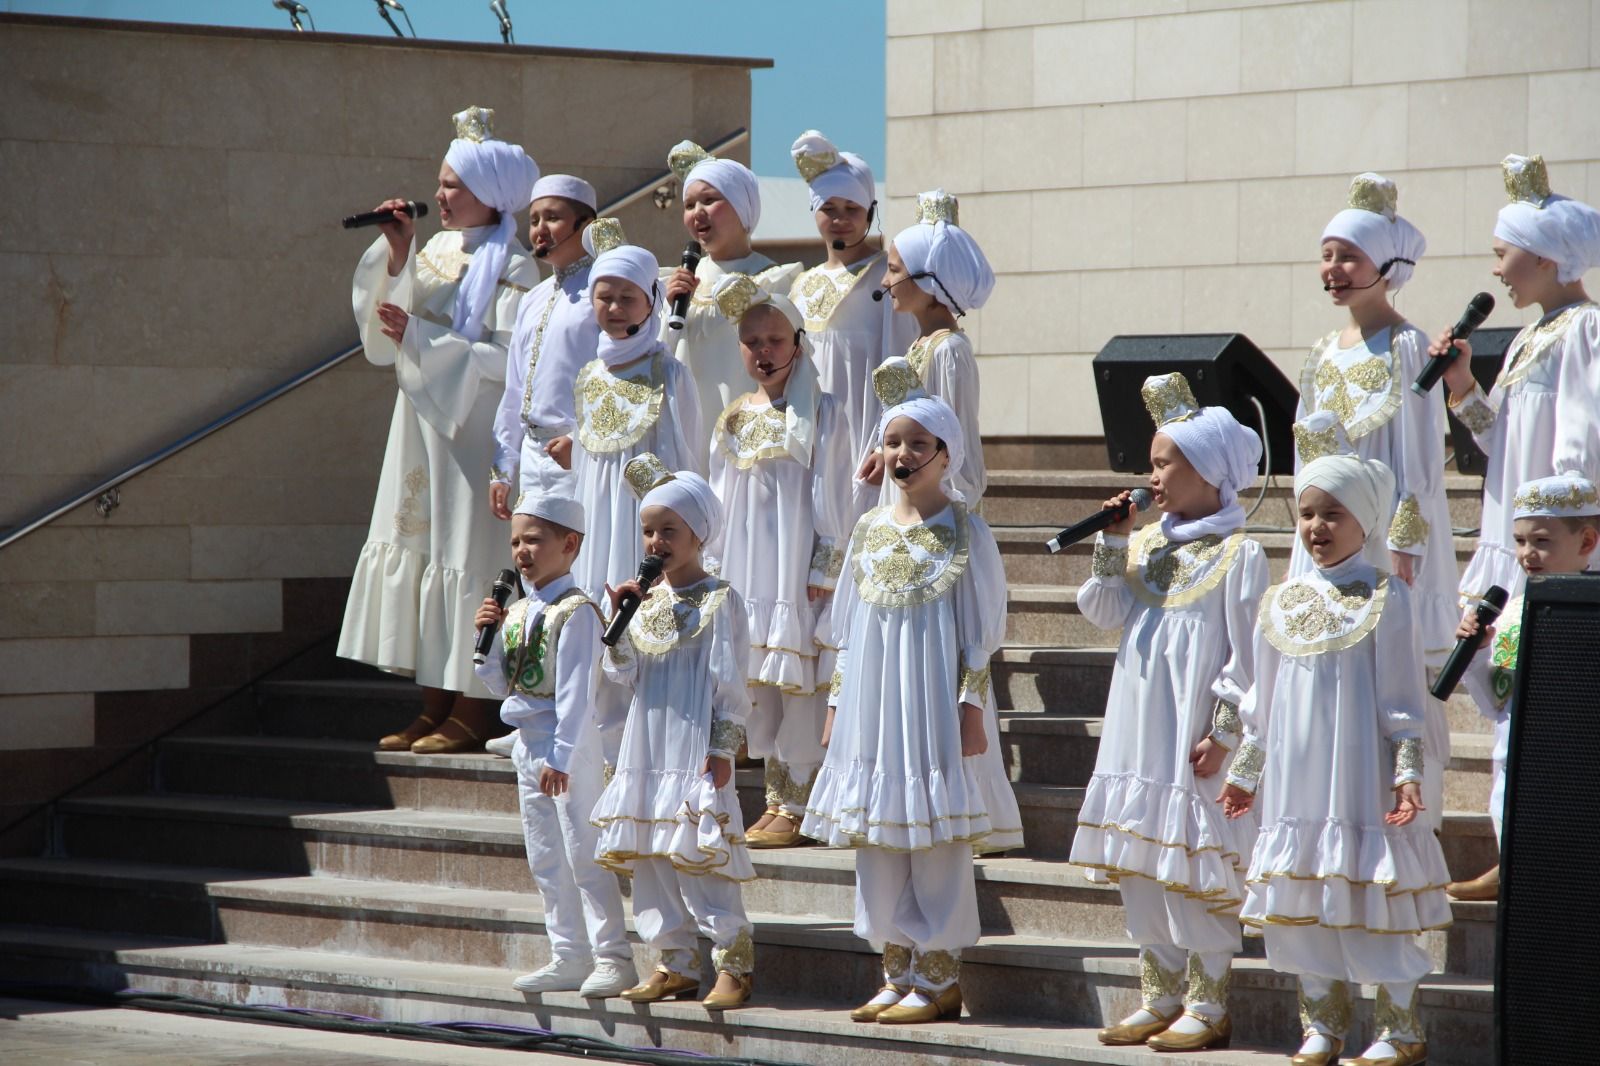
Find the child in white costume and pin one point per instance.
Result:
(670, 818)
(545, 662)
(913, 778)
(851, 332)
(721, 207)
(778, 459)
(555, 336)
(936, 273)
(1185, 594)
(1539, 419)
(1345, 874)
(442, 318)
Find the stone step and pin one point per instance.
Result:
(1039, 1005)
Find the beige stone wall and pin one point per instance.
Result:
(1158, 166)
(169, 246)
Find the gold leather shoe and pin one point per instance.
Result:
(869, 1011)
(760, 838)
(439, 744)
(662, 985)
(729, 1000)
(1217, 1034)
(402, 741)
(1484, 887)
(1319, 1058)
(946, 1004)
(1121, 1035)
(1409, 1054)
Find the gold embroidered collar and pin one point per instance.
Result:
(749, 434)
(615, 411)
(821, 291)
(1313, 614)
(1162, 573)
(1529, 348)
(671, 617)
(901, 566)
(1359, 385)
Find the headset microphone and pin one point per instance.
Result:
(541, 253)
(1382, 273)
(840, 246)
(903, 472)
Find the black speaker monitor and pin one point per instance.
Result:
(1547, 954)
(1224, 369)
(1488, 353)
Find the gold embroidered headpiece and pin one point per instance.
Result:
(1375, 193)
(1561, 496)
(475, 124)
(1321, 433)
(604, 234)
(1168, 398)
(685, 155)
(938, 206)
(811, 164)
(896, 381)
(1526, 178)
(735, 294)
(644, 472)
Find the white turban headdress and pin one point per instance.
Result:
(1371, 224)
(1550, 226)
(633, 264)
(1222, 452)
(502, 176)
(830, 172)
(732, 179)
(1365, 487)
(938, 418)
(735, 294)
(685, 493)
(961, 277)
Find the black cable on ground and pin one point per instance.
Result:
(465, 1033)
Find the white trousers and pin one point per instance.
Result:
(1179, 937)
(786, 731)
(1346, 954)
(1497, 786)
(583, 912)
(673, 909)
(926, 901)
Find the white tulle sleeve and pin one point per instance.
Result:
(980, 612)
(1255, 714)
(373, 286)
(1105, 599)
(680, 409)
(1577, 443)
(1243, 589)
(1397, 660)
(830, 478)
(1419, 472)
(730, 692)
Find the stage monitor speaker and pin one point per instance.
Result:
(1224, 370)
(1547, 951)
(1488, 353)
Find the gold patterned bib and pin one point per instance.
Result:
(1163, 574)
(1359, 385)
(900, 566)
(819, 291)
(529, 644)
(1310, 615)
(1529, 348)
(617, 410)
(673, 617)
(749, 434)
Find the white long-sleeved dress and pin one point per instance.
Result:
(1538, 420)
(1333, 723)
(433, 547)
(942, 364)
(1184, 664)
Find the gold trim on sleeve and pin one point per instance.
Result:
(1409, 528)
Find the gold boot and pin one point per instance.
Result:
(1483, 888)
(663, 984)
(1124, 1035)
(728, 1000)
(1217, 1034)
(1319, 1058)
(946, 1005)
(869, 1011)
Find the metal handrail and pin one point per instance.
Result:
(49, 515)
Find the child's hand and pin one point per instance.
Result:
(1235, 800)
(1407, 802)
(499, 497)
(1124, 527)
(827, 728)
(552, 782)
(816, 595)
(871, 470)
(1458, 375)
(1404, 567)
(974, 741)
(720, 769)
(1207, 757)
(560, 450)
(490, 614)
(1469, 627)
(394, 321)
(681, 283)
(621, 590)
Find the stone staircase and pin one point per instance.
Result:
(295, 865)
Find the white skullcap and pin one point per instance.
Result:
(732, 179)
(690, 497)
(830, 172)
(500, 175)
(1365, 487)
(735, 294)
(1561, 496)
(936, 245)
(567, 187)
(1371, 224)
(938, 418)
(632, 264)
(553, 497)
(1224, 453)
(1550, 226)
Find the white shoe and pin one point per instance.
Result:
(562, 975)
(501, 745)
(610, 978)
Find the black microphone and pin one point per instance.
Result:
(504, 586)
(1477, 310)
(1139, 498)
(1488, 609)
(414, 208)
(680, 307)
(649, 570)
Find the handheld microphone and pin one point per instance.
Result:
(680, 307)
(1140, 499)
(414, 208)
(504, 586)
(1488, 609)
(1478, 309)
(649, 570)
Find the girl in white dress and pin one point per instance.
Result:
(936, 273)
(721, 207)
(851, 332)
(1539, 419)
(1345, 874)
(1185, 596)
(442, 318)
(913, 778)
(669, 817)
(778, 456)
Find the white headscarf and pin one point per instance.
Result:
(937, 245)
(735, 294)
(1226, 455)
(567, 187)
(553, 497)
(634, 264)
(690, 497)
(1371, 224)
(732, 179)
(938, 418)
(501, 175)
(830, 172)
(1550, 226)
(1560, 496)
(1365, 487)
